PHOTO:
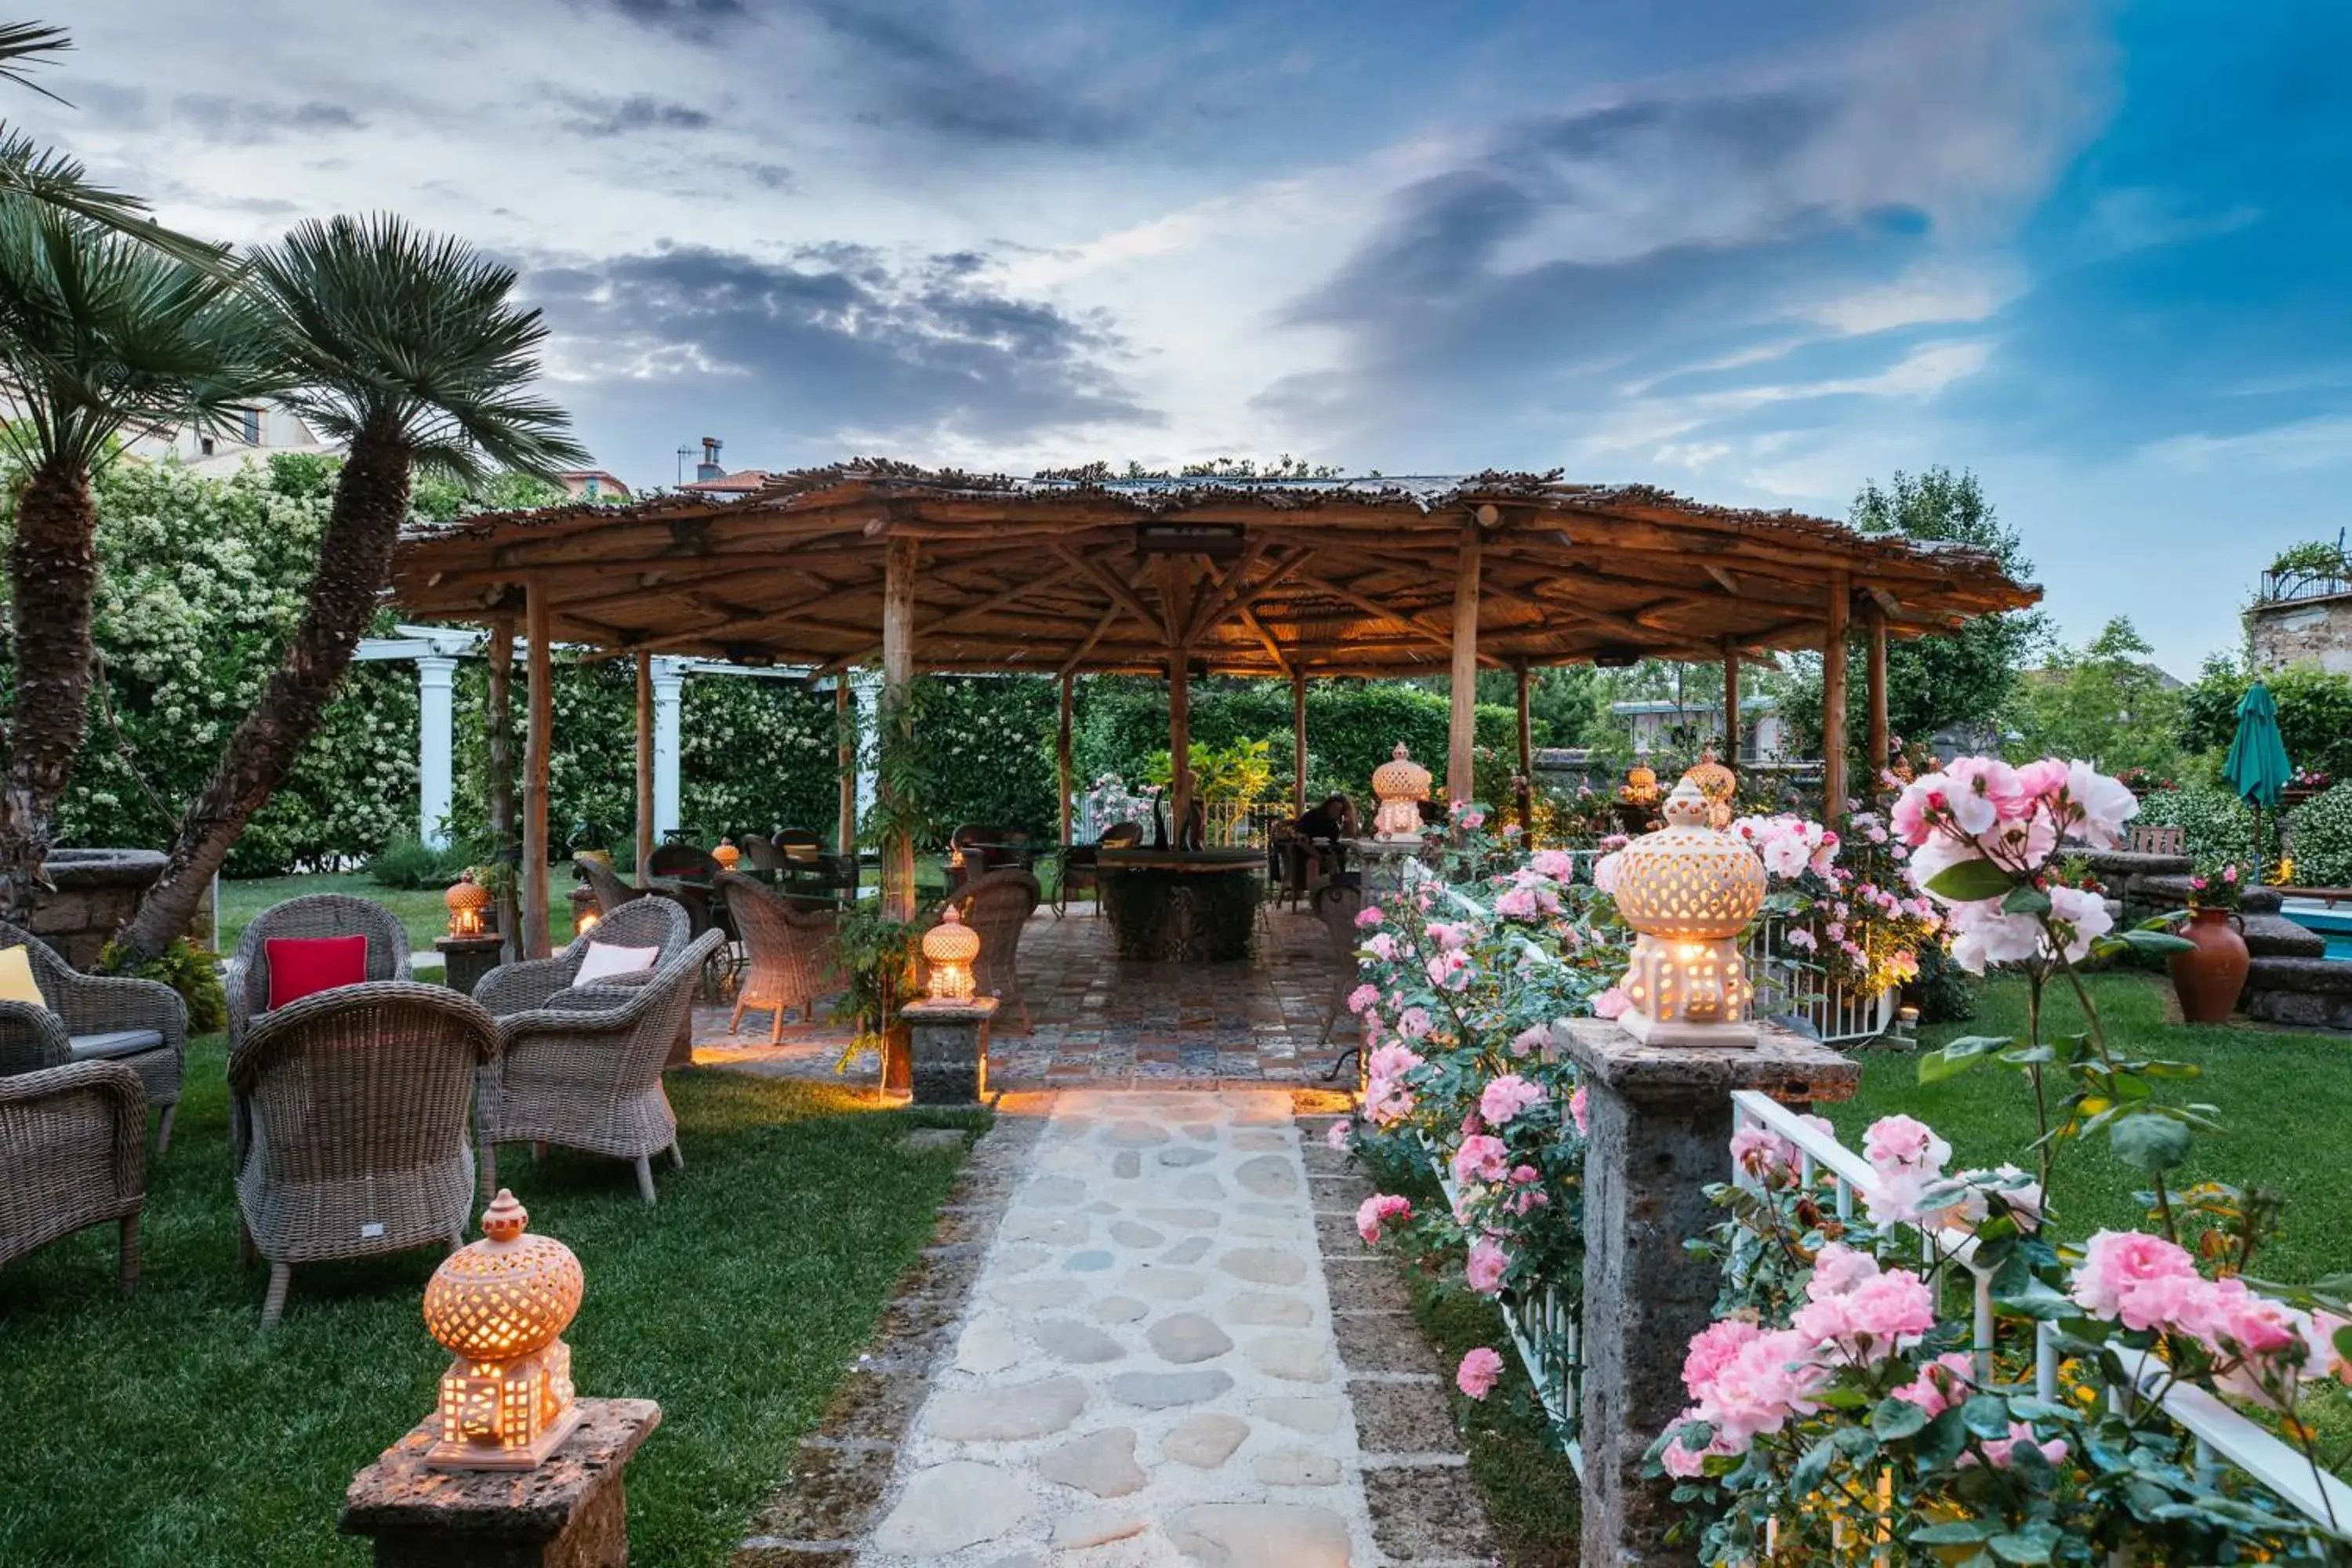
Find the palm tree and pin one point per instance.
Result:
(408, 348)
(99, 335)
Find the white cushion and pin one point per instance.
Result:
(603, 961)
(112, 1043)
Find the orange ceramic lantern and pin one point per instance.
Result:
(727, 855)
(467, 900)
(948, 948)
(500, 1307)
(1718, 785)
(1690, 891)
(1640, 785)
(1400, 784)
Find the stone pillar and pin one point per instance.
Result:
(949, 1049)
(436, 750)
(466, 959)
(1661, 1132)
(570, 1512)
(669, 698)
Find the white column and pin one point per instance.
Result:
(435, 747)
(866, 685)
(669, 695)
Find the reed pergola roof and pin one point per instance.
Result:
(1266, 577)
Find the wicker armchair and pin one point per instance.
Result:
(348, 1125)
(689, 860)
(97, 1018)
(610, 890)
(789, 952)
(72, 1153)
(762, 853)
(641, 922)
(584, 1071)
(247, 975)
(998, 904)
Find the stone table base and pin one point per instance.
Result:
(570, 1512)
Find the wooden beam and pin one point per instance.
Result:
(1731, 718)
(1874, 761)
(1212, 604)
(1462, 714)
(1833, 747)
(1299, 744)
(845, 729)
(645, 768)
(1730, 584)
(1526, 790)
(897, 670)
(1249, 619)
(499, 715)
(537, 752)
(1062, 756)
(1121, 595)
(1179, 741)
(1436, 635)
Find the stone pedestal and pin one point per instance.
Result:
(1381, 863)
(1661, 1132)
(94, 893)
(567, 1514)
(466, 959)
(949, 1049)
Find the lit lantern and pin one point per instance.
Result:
(500, 1307)
(1690, 891)
(1718, 784)
(1400, 784)
(949, 949)
(585, 922)
(467, 901)
(727, 855)
(1640, 785)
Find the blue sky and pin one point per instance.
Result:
(1756, 254)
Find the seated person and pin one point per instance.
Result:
(1333, 820)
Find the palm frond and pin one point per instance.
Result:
(25, 45)
(390, 330)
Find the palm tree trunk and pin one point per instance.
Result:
(354, 562)
(52, 576)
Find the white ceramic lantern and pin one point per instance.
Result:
(1690, 891)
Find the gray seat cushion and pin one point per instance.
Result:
(113, 1043)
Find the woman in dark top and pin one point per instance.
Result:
(1333, 820)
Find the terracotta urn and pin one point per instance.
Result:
(2208, 976)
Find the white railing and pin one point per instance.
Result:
(2222, 1434)
(1789, 983)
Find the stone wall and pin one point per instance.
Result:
(2315, 632)
(96, 891)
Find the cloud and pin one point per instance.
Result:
(695, 21)
(244, 121)
(798, 360)
(595, 114)
(920, 74)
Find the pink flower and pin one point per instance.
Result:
(1447, 937)
(1605, 872)
(1449, 970)
(1878, 1316)
(1415, 1023)
(1688, 1464)
(1376, 1211)
(2133, 1276)
(1762, 1153)
(1611, 1003)
(1341, 1130)
(1517, 904)
(1712, 1349)
(1386, 1101)
(1556, 864)
(1505, 1097)
(1904, 1143)
(1941, 1383)
(1798, 936)
(1368, 916)
(1392, 1061)
(1530, 1040)
(1985, 790)
(1579, 1111)
(2101, 804)
(1484, 1270)
(1771, 1378)
(1382, 946)
(1362, 998)
(2002, 1451)
(1479, 1372)
(1838, 1268)
(1482, 1158)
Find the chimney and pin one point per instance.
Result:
(711, 468)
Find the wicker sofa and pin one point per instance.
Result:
(97, 1018)
(72, 1154)
(246, 976)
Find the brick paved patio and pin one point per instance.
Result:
(1099, 1021)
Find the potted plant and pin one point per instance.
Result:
(2211, 973)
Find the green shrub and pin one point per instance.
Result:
(2319, 838)
(191, 971)
(2218, 822)
(407, 861)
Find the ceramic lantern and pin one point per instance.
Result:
(1718, 785)
(1640, 785)
(467, 900)
(500, 1307)
(1400, 784)
(1690, 891)
(727, 855)
(949, 949)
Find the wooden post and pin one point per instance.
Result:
(538, 751)
(1062, 752)
(1462, 726)
(645, 768)
(1526, 790)
(499, 716)
(1834, 780)
(845, 710)
(1180, 742)
(897, 671)
(1298, 743)
(1730, 706)
(1874, 674)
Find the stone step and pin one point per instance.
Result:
(2173, 891)
(2275, 936)
(2310, 993)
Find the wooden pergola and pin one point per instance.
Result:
(835, 568)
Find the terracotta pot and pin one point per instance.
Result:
(2208, 976)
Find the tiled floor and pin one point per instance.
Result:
(1098, 1022)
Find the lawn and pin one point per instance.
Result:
(421, 910)
(169, 1430)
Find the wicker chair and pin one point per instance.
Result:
(72, 1153)
(584, 1071)
(998, 904)
(689, 860)
(1081, 868)
(348, 1125)
(246, 976)
(91, 1017)
(610, 890)
(791, 959)
(641, 922)
(762, 853)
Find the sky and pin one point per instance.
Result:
(1756, 254)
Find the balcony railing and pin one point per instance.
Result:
(2285, 587)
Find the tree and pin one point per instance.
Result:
(408, 348)
(2105, 703)
(98, 333)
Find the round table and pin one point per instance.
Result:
(1179, 905)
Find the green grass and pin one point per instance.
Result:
(421, 910)
(2284, 1100)
(168, 1429)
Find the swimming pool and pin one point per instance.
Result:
(2336, 924)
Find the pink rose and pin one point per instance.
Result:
(2119, 1270)
(1377, 1210)
(1484, 1269)
(1579, 1111)
(1362, 998)
(1611, 1003)
(1941, 1383)
(1605, 872)
(1392, 1061)
(1341, 1130)
(1517, 904)
(1505, 1097)
(1712, 1349)
(1531, 1040)
(1481, 1158)
(1479, 1372)
(1904, 1143)
(1762, 1153)
(1556, 864)
(1771, 1378)
(1449, 970)
(1382, 946)
(1415, 1023)
(1368, 916)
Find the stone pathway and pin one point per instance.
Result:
(1148, 1371)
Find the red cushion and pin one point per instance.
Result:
(302, 966)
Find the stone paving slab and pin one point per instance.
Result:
(1119, 1393)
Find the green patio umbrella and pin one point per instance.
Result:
(2256, 766)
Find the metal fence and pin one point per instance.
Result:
(1790, 985)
